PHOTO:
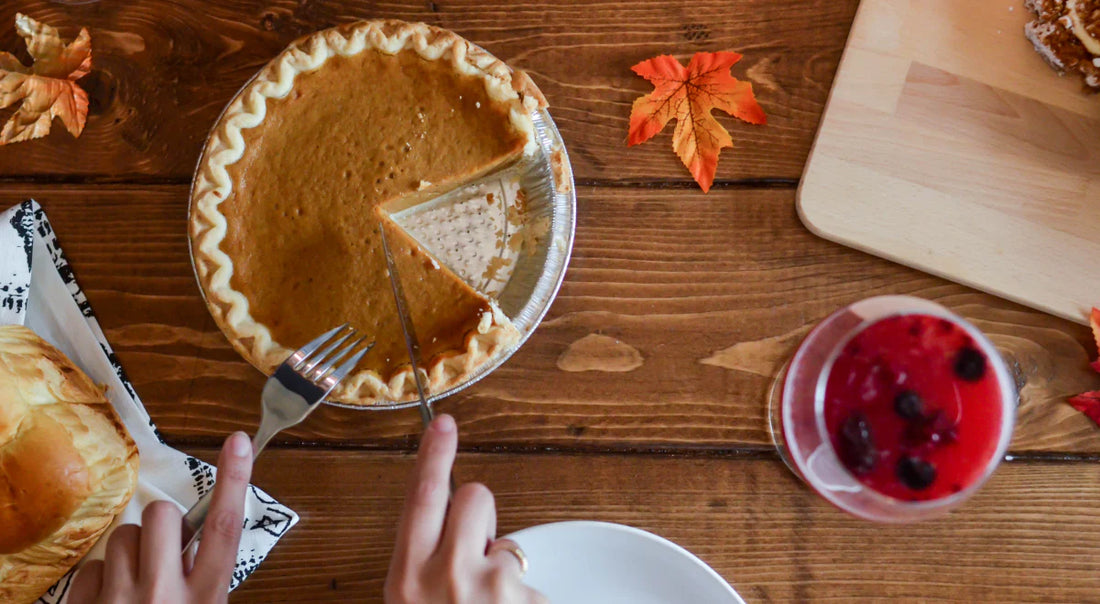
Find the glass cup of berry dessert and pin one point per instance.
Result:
(894, 409)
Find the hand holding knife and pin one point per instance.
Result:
(411, 342)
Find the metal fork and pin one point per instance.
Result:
(289, 395)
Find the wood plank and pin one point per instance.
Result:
(1030, 535)
(163, 70)
(694, 300)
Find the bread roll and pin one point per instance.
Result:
(67, 464)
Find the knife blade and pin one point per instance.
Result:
(411, 343)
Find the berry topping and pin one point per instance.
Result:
(857, 447)
(935, 429)
(908, 404)
(911, 409)
(970, 364)
(916, 473)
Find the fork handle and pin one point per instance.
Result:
(195, 517)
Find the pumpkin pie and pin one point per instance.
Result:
(303, 170)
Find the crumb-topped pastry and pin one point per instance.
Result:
(299, 175)
(1067, 34)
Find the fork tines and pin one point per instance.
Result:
(318, 366)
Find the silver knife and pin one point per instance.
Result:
(411, 343)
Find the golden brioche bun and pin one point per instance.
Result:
(67, 464)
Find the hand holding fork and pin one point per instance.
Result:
(289, 396)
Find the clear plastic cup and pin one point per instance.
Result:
(797, 412)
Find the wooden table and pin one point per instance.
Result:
(641, 397)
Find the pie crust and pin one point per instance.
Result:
(213, 184)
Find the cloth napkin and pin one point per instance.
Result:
(38, 290)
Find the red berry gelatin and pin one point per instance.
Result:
(913, 408)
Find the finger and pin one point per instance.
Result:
(505, 585)
(471, 523)
(506, 554)
(421, 525)
(188, 560)
(87, 583)
(160, 537)
(221, 535)
(120, 564)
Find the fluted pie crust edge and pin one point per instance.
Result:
(212, 185)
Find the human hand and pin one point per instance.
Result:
(451, 555)
(143, 564)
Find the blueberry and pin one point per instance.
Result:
(857, 446)
(970, 364)
(908, 404)
(916, 473)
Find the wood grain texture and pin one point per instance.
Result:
(951, 146)
(1030, 535)
(677, 310)
(711, 291)
(163, 70)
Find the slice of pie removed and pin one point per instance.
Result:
(299, 175)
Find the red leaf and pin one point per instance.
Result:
(1089, 404)
(688, 96)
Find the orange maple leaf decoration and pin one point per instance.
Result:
(1089, 402)
(48, 87)
(689, 95)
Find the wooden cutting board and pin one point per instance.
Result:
(949, 145)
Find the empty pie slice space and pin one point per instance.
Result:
(305, 166)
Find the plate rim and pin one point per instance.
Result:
(601, 525)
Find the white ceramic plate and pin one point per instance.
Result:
(599, 562)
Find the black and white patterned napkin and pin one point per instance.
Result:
(38, 290)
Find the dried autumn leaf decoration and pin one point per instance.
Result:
(1089, 402)
(688, 95)
(48, 87)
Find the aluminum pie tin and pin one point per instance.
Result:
(538, 272)
(546, 178)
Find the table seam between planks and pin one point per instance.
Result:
(643, 184)
(767, 453)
